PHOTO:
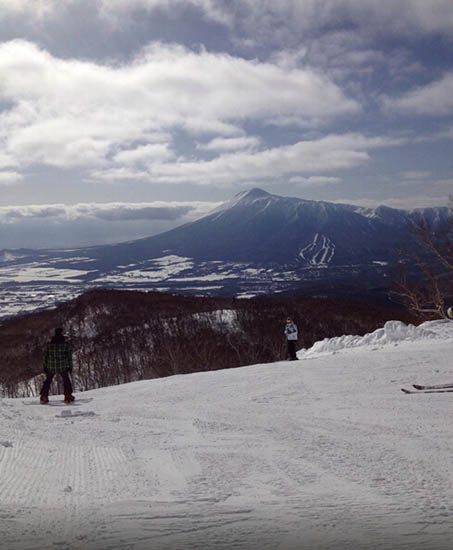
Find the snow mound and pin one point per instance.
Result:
(392, 332)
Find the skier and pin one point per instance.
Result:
(291, 336)
(57, 359)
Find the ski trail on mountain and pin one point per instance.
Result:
(319, 252)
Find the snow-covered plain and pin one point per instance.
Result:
(322, 453)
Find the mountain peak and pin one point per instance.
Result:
(251, 194)
(244, 198)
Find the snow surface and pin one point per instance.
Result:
(156, 270)
(322, 453)
(29, 273)
(319, 252)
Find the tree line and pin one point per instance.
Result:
(123, 336)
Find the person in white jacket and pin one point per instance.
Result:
(291, 336)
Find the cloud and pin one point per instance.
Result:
(355, 60)
(378, 16)
(144, 154)
(401, 203)
(9, 178)
(144, 213)
(327, 154)
(230, 144)
(86, 224)
(314, 180)
(113, 212)
(434, 99)
(215, 10)
(36, 9)
(112, 11)
(416, 176)
(7, 161)
(68, 113)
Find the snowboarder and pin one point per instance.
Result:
(291, 336)
(57, 359)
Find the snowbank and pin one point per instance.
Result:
(392, 332)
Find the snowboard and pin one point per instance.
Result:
(54, 403)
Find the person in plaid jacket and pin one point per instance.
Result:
(57, 359)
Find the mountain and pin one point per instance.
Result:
(255, 243)
(264, 229)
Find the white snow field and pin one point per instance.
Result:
(321, 453)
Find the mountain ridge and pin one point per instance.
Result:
(256, 243)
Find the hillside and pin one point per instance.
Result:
(326, 453)
(122, 336)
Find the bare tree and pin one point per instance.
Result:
(425, 280)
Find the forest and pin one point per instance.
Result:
(121, 336)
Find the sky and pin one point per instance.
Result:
(120, 119)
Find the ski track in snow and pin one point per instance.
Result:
(325, 453)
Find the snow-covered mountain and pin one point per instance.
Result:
(256, 243)
(320, 454)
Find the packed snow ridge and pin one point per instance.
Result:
(392, 332)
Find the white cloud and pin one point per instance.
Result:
(70, 113)
(282, 22)
(231, 144)
(9, 178)
(254, 21)
(406, 203)
(213, 9)
(86, 224)
(353, 59)
(376, 16)
(266, 17)
(416, 175)
(144, 154)
(116, 211)
(7, 161)
(37, 9)
(435, 98)
(327, 154)
(113, 11)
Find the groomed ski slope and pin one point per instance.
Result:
(322, 453)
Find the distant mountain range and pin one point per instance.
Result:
(257, 243)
